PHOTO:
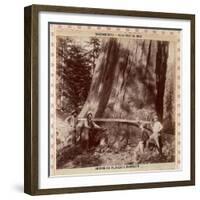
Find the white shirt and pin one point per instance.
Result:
(157, 127)
(72, 121)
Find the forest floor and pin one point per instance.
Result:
(76, 157)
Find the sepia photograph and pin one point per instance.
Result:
(109, 99)
(114, 105)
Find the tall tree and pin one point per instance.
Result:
(129, 79)
(77, 76)
(73, 72)
(161, 68)
(95, 46)
(118, 86)
(63, 48)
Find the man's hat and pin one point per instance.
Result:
(155, 117)
(74, 111)
(89, 113)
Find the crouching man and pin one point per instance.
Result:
(90, 127)
(144, 137)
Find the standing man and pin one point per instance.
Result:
(73, 121)
(156, 136)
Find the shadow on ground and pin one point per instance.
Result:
(75, 157)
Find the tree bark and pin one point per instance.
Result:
(124, 81)
(161, 68)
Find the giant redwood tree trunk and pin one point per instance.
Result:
(129, 80)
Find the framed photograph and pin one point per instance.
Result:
(109, 99)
